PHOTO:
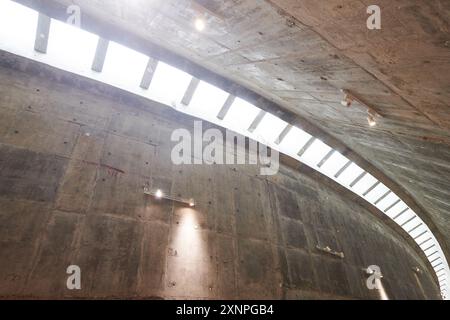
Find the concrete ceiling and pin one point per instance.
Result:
(300, 53)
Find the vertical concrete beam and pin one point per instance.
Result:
(283, 134)
(306, 146)
(148, 73)
(42, 33)
(226, 107)
(257, 121)
(190, 91)
(100, 55)
(325, 159)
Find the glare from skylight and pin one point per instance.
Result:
(70, 47)
(23, 22)
(270, 128)
(387, 201)
(315, 153)
(333, 164)
(168, 84)
(123, 67)
(207, 101)
(241, 115)
(349, 174)
(365, 183)
(395, 210)
(376, 193)
(294, 141)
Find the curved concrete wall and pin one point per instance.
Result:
(74, 162)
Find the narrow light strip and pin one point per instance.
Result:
(435, 259)
(437, 264)
(432, 254)
(325, 159)
(417, 237)
(306, 146)
(433, 245)
(148, 73)
(371, 188)
(100, 55)
(190, 91)
(283, 134)
(42, 33)
(409, 220)
(257, 121)
(392, 205)
(402, 212)
(382, 197)
(423, 242)
(442, 269)
(340, 171)
(358, 178)
(415, 227)
(226, 107)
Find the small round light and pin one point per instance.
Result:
(200, 24)
(191, 203)
(371, 121)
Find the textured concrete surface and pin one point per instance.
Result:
(300, 53)
(74, 158)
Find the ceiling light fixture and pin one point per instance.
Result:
(200, 24)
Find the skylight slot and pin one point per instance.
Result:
(241, 115)
(315, 153)
(334, 163)
(168, 84)
(350, 174)
(397, 210)
(270, 129)
(294, 140)
(123, 67)
(207, 101)
(70, 47)
(402, 216)
(364, 184)
(18, 26)
(376, 193)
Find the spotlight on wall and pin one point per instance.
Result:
(200, 24)
(159, 194)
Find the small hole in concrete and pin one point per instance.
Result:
(16, 132)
